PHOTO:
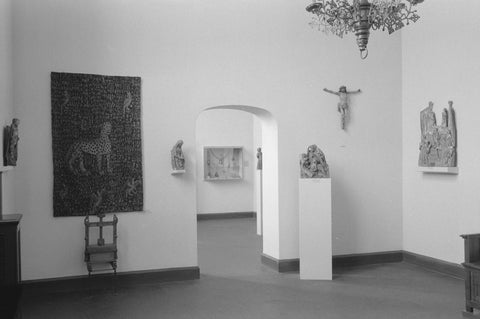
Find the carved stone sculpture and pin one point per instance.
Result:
(11, 143)
(178, 159)
(342, 105)
(259, 158)
(313, 164)
(438, 143)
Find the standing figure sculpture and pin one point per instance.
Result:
(10, 143)
(259, 158)
(342, 105)
(177, 157)
(313, 164)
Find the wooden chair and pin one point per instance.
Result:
(472, 275)
(101, 252)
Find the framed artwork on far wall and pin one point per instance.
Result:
(222, 163)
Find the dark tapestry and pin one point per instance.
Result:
(97, 147)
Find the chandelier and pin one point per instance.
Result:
(340, 17)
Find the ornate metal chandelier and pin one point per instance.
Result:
(343, 16)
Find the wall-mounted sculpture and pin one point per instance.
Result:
(438, 144)
(177, 157)
(259, 159)
(313, 164)
(10, 143)
(342, 105)
(97, 146)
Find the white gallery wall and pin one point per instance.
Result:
(195, 55)
(225, 128)
(6, 96)
(440, 63)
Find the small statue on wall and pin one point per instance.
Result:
(342, 105)
(178, 159)
(313, 164)
(438, 143)
(259, 159)
(10, 143)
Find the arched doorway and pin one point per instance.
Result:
(267, 185)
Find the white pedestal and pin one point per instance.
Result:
(315, 228)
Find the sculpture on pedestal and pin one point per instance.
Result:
(313, 164)
(438, 143)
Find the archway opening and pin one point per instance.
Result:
(217, 197)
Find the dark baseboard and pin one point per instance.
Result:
(281, 265)
(106, 281)
(355, 260)
(148, 277)
(226, 215)
(437, 265)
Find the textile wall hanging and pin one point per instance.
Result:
(97, 146)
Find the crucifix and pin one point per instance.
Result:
(342, 105)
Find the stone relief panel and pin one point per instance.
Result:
(438, 143)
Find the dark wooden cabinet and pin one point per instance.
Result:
(472, 274)
(10, 266)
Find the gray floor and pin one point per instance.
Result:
(234, 284)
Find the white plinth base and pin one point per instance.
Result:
(315, 228)
(178, 172)
(439, 170)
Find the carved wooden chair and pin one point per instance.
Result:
(100, 252)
